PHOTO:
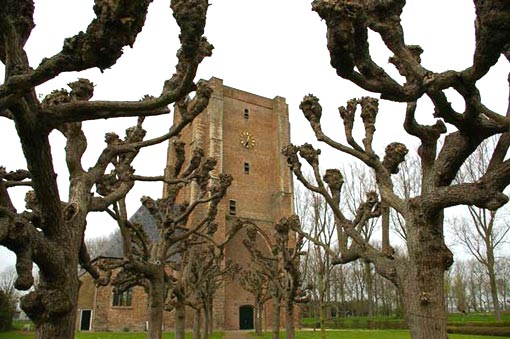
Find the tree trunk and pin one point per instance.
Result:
(384, 296)
(492, 281)
(259, 310)
(276, 318)
(342, 289)
(322, 306)
(180, 320)
(61, 308)
(425, 311)
(210, 318)
(289, 319)
(370, 290)
(421, 279)
(472, 292)
(52, 305)
(197, 323)
(376, 297)
(504, 296)
(156, 307)
(60, 329)
(207, 321)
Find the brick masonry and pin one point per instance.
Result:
(106, 317)
(263, 195)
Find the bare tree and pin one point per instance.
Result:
(267, 264)
(51, 232)
(503, 269)
(8, 297)
(317, 220)
(282, 268)
(257, 283)
(97, 245)
(360, 181)
(484, 230)
(148, 258)
(407, 185)
(204, 273)
(419, 275)
(8, 280)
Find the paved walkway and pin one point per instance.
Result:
(237, 335)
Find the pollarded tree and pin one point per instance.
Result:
(267, 264)
(256, 282)
(282, 268)
(51, 232)
(152, 260)
(419, 275)
(204, 272)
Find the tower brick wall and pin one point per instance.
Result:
(245, 133)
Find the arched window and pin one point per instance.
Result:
(122, 298)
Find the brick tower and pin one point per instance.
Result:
(245, 133)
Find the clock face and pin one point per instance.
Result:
(247, 140)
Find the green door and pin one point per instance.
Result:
(246, 317)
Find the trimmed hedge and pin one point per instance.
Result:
(480, 324)
(480, 330)
(367, 324)
(500, 328)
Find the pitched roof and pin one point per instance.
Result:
(114, 248)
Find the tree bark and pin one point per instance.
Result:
(58, 329)
(52, 305)
(180, 320)
(322, 305)
(276, 318)
(156, 307)
(370, 290)
(425, 314)
(289, 319)
(492, 280)
(207, 321)
(210, 318)
(258, 318)
(197, 323)
(58, 326)
(421, 280)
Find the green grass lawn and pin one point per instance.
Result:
(101, 335)
(366, 334)
(331, 334)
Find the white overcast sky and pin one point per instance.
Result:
(267, 47)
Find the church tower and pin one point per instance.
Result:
(245, 133)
